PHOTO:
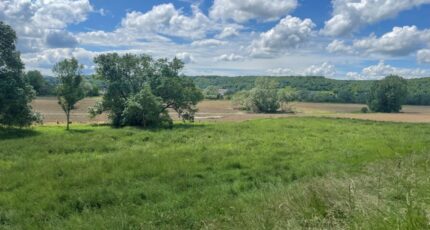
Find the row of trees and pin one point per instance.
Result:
(139, 89)
(387, 95)
(320, 89)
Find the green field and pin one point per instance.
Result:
(261, 174)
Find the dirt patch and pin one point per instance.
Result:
(218, 111)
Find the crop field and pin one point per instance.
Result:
(294, 173)
(224, 111)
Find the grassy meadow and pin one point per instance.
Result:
(261, 174)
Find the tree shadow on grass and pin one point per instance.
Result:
(80, 131)
(7, 133)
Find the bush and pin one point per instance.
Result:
(364, 110)
(263, 98)
(388, 95)
(143, 109)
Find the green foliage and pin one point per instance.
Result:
(388, 95)
(143, 109)
(70, 89)
(125, 76)
(15, 93)
(294, 173)
(320, 89)
(212, 93)
(263, 98)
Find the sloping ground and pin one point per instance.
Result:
(223, 111)
(295, 173)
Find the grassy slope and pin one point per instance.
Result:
(296, 172)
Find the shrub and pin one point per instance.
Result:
(388, 95)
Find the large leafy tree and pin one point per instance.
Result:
(70, 88)
(388, 95)
(140, 90)
(263, 98)
(15, 93)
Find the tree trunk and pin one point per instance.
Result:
(68, 119)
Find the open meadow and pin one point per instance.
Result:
(261, 174)
(222, 110)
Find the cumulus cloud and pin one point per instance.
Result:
(338, 46)
(382, 70)
(423, 56)
(289, 33)
(228, 31)
(185, 57)
(244, 10)
(61, 39)
(229, 57)
(46, 59)
(325, 69)
(36, 20)
(350, 15)
(281, 72)
(166, 19)
(208, 42)
(399, 42)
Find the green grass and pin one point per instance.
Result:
(262, 174)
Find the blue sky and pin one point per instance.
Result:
(344, 39)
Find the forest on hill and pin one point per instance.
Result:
(319, 89)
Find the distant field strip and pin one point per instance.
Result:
(223, 111)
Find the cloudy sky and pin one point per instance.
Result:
(345, 39)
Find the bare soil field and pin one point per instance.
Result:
(223, 111)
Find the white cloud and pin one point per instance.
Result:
(350, 15)
(229, 57)
(382, 70)
(244, 10)
(281, 72)
(325, 69)
(289, 33)
(228, 31)
(46, 59)
(35, 20)
(185, 57)
(399, 42)
(208, 42)
(167, 20)
(423, 56)
(337, 46)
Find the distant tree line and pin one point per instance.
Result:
(386, 96)
(320, 89)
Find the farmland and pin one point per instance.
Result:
(292, 172)
(224, 111)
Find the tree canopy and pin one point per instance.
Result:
(140, 90)
(15, 93)
(388, 95)
(70, 88)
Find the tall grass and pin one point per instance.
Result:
(262, 174)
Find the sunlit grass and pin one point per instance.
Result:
(272, 173)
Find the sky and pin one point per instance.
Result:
(341, 39)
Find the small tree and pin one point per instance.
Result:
(70, 89)
(388, 95)
(265, 96)
(15, 93)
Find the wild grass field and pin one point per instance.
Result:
(288, 173)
